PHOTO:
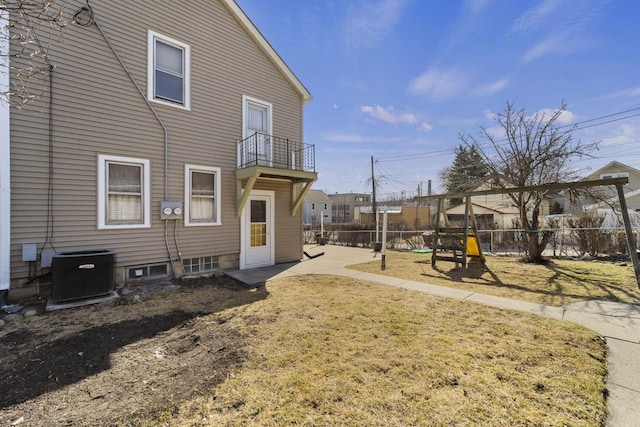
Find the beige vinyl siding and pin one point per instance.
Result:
(97, 110)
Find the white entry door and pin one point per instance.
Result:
(257, 231)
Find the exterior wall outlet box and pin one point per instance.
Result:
(171, 210)
(46, 257)
(29, 252)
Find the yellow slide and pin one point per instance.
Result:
(472, 246)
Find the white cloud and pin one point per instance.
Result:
(369, 22)
(496, 132)
(564, 118)
(425, 127)
(439, 84)
(476, 6)
(356, 138)
(628, 92)
(536, 16)
(556, 43)
(559, 27)
(343, 137)
(491, 88)
(490, 114)
(543, 114)
(388, 115)
(624, 134)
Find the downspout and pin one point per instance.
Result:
(153, 110)
(5, 158)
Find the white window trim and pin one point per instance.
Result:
(187, 194)
(151, 37)
(102, 192)
(246, 100)
(614, 175)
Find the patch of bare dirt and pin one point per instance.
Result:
(111, 363)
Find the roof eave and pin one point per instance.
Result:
(268, 49)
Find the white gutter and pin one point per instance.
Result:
(5, 161)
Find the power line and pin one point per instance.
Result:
(447, 152)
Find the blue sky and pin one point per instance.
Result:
(400, 80)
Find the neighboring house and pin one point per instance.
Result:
(410, 216)
(610, 196)
(317, 208)
(488, 216)
(494, 210)
(172, 136)
(344, 205)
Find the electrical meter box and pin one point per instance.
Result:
(171, 210)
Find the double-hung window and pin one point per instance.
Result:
(202, 193)
(123, 192)
(168, 70)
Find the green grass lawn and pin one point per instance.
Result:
(557, 283)
(329, 351)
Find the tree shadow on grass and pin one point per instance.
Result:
(608, 289)
(52, 365)
(482, 276)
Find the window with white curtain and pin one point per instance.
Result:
(123, 192)
(168, 70)
(202, 193)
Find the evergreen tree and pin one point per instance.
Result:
(467, 171)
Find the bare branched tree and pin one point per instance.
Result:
(529, 150)
(32, 25)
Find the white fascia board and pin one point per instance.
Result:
(267, 48)
(5, 158)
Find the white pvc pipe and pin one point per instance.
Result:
(384, 239)
(5, 163)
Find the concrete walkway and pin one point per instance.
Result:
(618, 323)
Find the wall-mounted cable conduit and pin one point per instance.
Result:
(93, 20)
(82, 19)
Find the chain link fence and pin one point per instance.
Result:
(565, 241)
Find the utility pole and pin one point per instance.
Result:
(373, 190)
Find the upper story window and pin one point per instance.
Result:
(123, 192)
(168, 71)
(615, 175)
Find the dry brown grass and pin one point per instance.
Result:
(557, 283)
(325, 350)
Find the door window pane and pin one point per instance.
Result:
(258, 211)
(258, 235)
(257, 120)
(258, 223)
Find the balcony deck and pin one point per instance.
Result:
(268, 156)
